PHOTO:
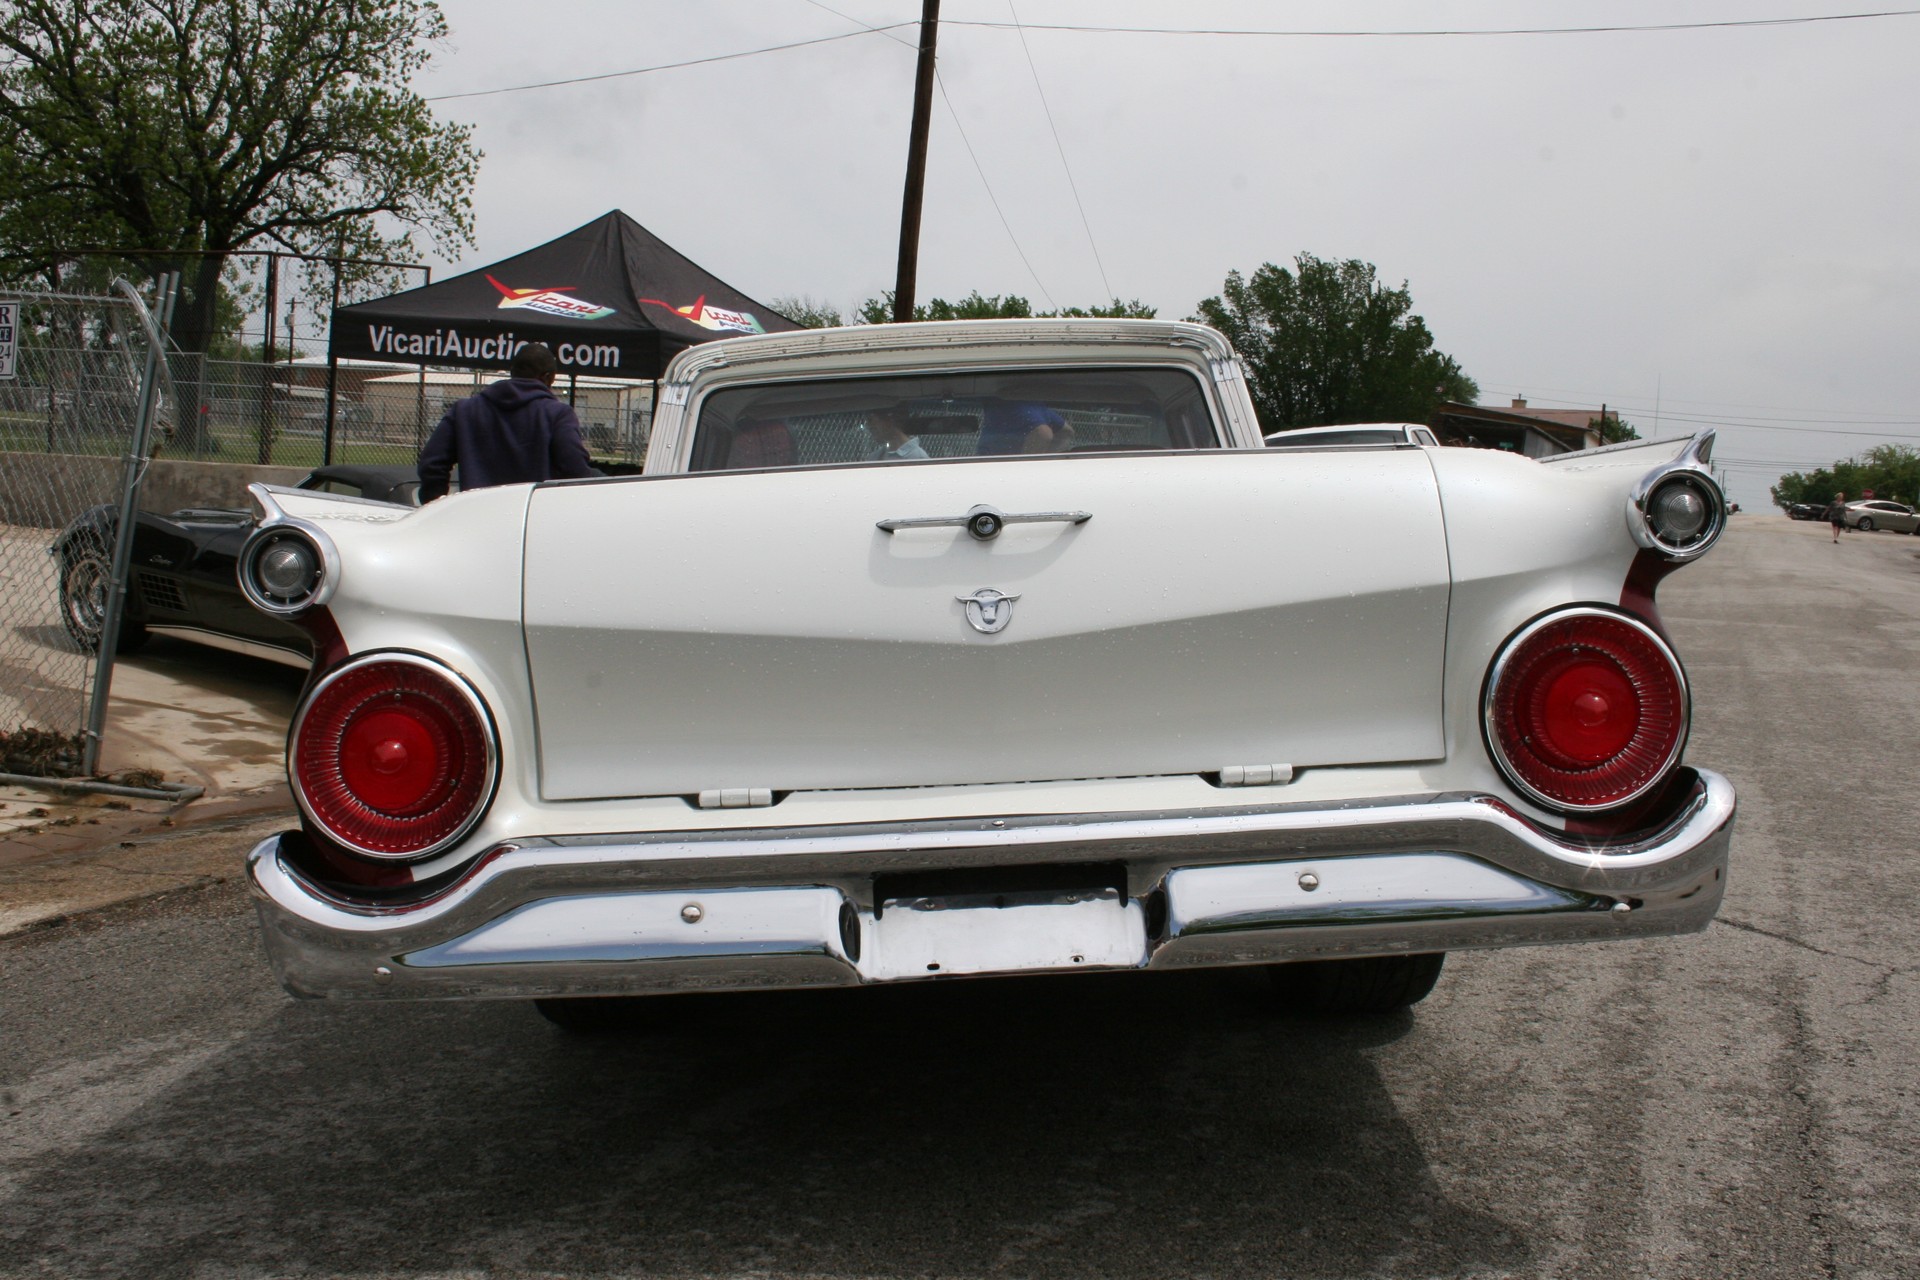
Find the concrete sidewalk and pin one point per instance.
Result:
(189, 714)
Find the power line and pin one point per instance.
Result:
(1837, 420)
(1083, 28)
(1586, 397)
(968, 143)
(1808, 429)
(1820, 417)
(1061, 148)
(667, 66)
(1758, 462)
(941, 81)
(1447, 32)
(1831, 433)
(1827, 420)
(885, 31)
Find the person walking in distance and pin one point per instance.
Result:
(513, 431)
(1837, 514)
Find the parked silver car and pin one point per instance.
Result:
(1878, 513)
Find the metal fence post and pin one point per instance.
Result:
(136, 465)
(263, 451)
(333, 369)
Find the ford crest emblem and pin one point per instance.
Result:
(988, 611)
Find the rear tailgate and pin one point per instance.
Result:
(755, 629)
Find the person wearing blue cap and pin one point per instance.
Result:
(1022, 426)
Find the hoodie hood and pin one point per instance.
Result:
(511, 393)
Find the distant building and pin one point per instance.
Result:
(1537, 433)
(615, 414)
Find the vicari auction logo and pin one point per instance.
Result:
(552, 302)
(716, 318)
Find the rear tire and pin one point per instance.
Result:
(601, 1015)
(1865, 525)
(86, 577)
(1367, 985)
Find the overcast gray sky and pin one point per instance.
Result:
(1697, 227)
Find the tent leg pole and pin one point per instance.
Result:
(653, 407)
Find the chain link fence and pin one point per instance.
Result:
(70, 419)
(83, 377)
(275, 412)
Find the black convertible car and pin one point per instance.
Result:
(181, 575)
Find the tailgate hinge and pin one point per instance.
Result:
(1255, 775)
(737, 798)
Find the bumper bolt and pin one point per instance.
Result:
(692, 913)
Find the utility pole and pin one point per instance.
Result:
(904, 279)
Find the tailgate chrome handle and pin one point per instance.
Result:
(983, 523)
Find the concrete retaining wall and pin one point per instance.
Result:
(45, 490)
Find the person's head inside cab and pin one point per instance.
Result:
(887, 430)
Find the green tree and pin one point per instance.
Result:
(200, 127)
(975, 306)
(1613, 430)
(1115, 310)
(1892, 471)
(1327, 343)
(807, 313)
(979, 306)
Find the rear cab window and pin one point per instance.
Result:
(952, 415)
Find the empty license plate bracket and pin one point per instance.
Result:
(1004, 926)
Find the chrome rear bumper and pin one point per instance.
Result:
(797, 907)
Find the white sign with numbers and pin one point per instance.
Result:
(9, 326)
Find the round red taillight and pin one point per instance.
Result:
(1586, 709)
(393, 756)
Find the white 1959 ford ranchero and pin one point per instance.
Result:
(925, 651)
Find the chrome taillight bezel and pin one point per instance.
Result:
(263, 539)
(1690, 470)
(490, 763)
(1501, 668)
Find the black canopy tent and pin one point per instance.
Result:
(611, 298)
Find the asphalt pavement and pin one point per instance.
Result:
(1737, 1103)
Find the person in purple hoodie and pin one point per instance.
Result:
(514, 431)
